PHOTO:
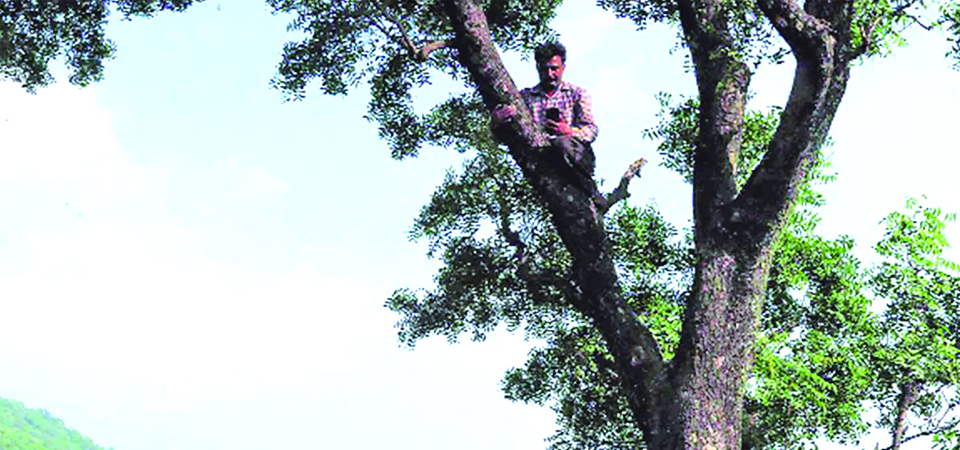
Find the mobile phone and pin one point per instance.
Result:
(553, 114)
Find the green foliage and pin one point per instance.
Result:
(812, 369)
(656, 267)
(22, 428)
(33, 33)
(919, 346)
(471, 221)
(575, 375)
(878, 26)
(678, 128)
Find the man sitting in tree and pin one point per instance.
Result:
(565, 112)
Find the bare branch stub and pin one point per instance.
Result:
(620, 192)
(429, 47)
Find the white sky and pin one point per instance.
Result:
(187, 262)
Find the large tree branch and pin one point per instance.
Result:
(723, 81)
(699, 19)
(638, 358)
(479, 56)
(820, 38)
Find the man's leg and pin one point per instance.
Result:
(580, 158)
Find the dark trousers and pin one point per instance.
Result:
(580, 159)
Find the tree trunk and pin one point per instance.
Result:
(717, 348)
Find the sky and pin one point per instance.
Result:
(187, 262)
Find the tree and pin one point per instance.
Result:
(549, 265)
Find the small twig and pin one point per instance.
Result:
(620, 193)
(513, 238)
(920, 23)
(407, 42)
(386, 32)
(536, 280)
(866, 37)
(403, 40)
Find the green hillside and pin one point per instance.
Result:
(22, 428)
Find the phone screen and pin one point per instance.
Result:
(553, 114)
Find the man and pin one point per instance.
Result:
(564, 111)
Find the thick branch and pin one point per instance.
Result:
(638, 358)
(479, 56)
(620, 193)
(802, 31)
(699, 19)
(819, 83)
(723, 81)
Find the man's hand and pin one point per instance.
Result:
(502, 114)
(559, 128)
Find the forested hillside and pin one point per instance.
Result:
(22, 428)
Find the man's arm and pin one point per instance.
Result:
(499, 116)
(584, 129)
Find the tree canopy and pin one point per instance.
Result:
(34, 33)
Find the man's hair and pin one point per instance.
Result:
(548, 50)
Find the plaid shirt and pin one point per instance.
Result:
(574, 104)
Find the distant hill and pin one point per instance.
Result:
(22, 428)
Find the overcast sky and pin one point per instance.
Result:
(189, 263)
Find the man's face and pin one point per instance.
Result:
(551, 71)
